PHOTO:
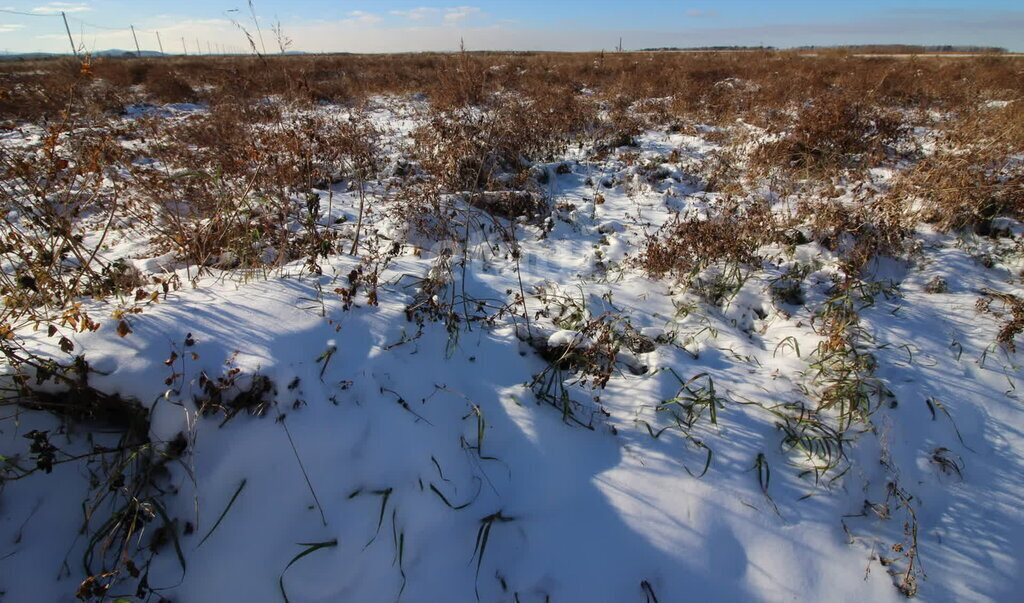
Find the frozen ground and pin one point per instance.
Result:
(426, 460)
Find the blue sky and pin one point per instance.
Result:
(390, 26)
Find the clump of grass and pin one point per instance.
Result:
(809, 434)
(832, 132)
(975, 175)
(599, 345)
(49, 190)
(695, 395)
(788, 288)
(230, 394)
(125, 522)
(490, 148)
(943, 458)
(483, 536)
(1014, 324)
(873, 227)
(248, 185)
(907, 553)
(600, 340)
(686, 245)
(936, 284)
(844, 370)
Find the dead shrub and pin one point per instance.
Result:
(833, 132)
(732, 233)
(860, 231)
(977, 175)
(235, 189)
(475, 149)
(169, 86)
(1012, 325)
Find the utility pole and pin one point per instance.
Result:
(161, 44)
(138, 51)
(183, 47)
(68, 29)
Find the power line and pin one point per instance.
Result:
(104, 27)
(94, 26)
(18, 12)
(108, 28)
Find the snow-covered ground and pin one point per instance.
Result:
(458, 460)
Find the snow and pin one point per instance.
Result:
(368, 402)
(566, 339)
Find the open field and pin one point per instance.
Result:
(512, 327)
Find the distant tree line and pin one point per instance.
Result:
(906, 48)
(865, 48)
(708, 48)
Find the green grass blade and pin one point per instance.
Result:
(311, 547)
(385, 495)
(707, 461)
(173, 532)
(445, 500)
(223, 513)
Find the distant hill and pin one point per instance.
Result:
(117, 52)
(27, 56)
(113, 52)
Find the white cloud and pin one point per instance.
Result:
(364, 17)
(702, 13)
(460, 13)
(52, 8)
(417, 14)
(208, 27)
(5, 27)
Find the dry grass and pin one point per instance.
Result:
(732, 233)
